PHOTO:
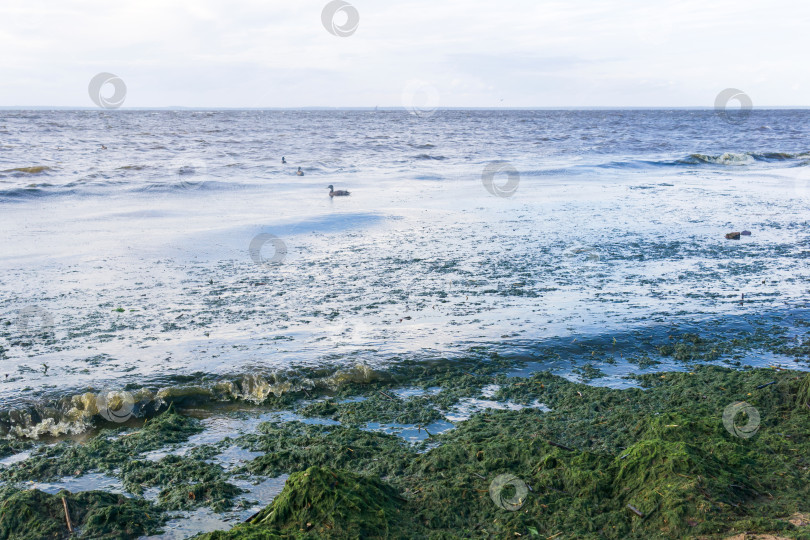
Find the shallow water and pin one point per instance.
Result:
(133, 265)
(189, 523)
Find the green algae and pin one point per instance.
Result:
(448, 383)
(185, 482)
(321, 502)
(588, 372)
(10, 447)
(731, 344)
(192, 482)
(691, 347)
(603, 463)
(106, 452)
(381, 407)
(803, 395)
(294, 446)
(665, 452)
(341, 502)
(643, 361)
(216, 494)
(189, 482)
(35, 515)
(648, 462)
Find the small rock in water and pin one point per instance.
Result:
(746, 233)
(733, 236)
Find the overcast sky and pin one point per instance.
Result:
(464, 53)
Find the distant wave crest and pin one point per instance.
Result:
(747, 158)
(25, 171)
(728, 159)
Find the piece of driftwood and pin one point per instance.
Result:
(67, 516)
(248, 520)
(558, 445)
(635, 510)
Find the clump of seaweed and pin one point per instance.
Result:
(803, 395)
(216, 494)
(35, 515)
(191, 482)
(339, 501)
(691, 347)
(10, 447)
(294, 446)
(383, 407)
(324, 503)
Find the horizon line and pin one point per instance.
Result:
(386, 108)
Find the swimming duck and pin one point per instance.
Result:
(338, 193)
(300, 172)
(283, 161)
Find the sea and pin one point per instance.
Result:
(163, 248)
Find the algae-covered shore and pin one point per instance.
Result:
(708, 451)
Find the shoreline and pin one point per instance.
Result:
(657, 460)
(604, 359)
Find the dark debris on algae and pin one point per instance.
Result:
(657, 461)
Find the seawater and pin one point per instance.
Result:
(129, 256)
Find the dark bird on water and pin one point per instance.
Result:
(300, 172)
(338, 193)
(283, 161)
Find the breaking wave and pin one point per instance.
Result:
(81, 411)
